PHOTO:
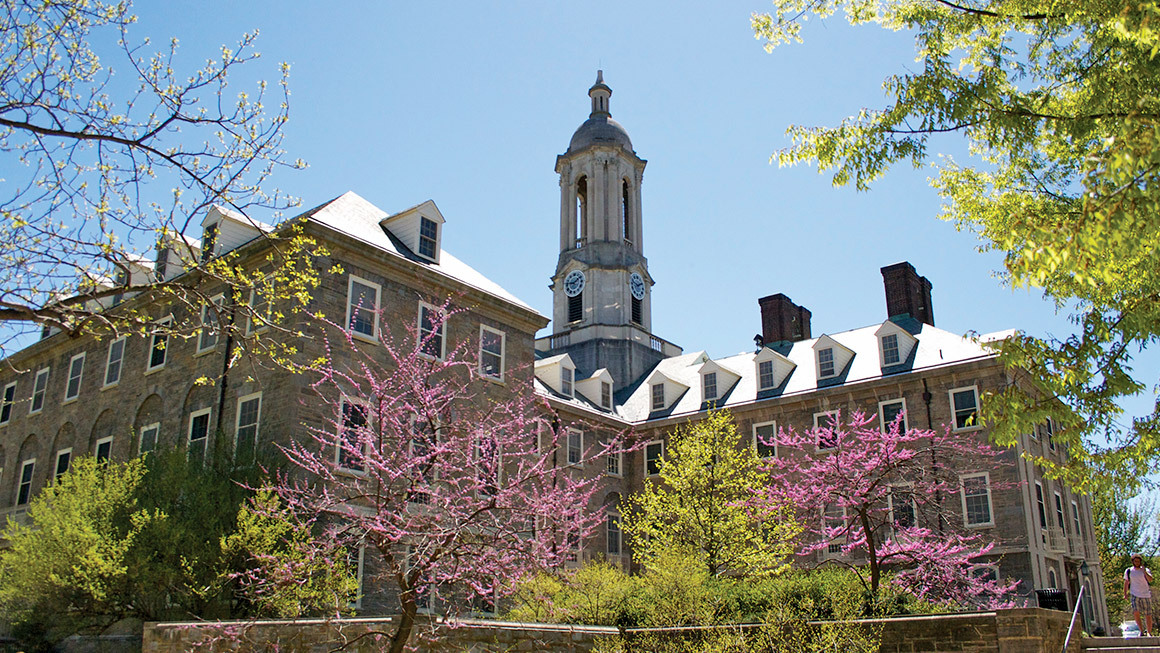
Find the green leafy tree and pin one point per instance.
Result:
(697, 505)
(1057, 103)
(1125, 523)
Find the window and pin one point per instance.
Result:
(888, 411)
(24, 487)
(625, 211)
(39, 388)
(612, 534)
(1049, 430)
(573, 544)
(421, 588)
(149, 437)
(113, 362)
(826, 429)
(653, 452)
(431, 323)
(104, 450)
(765, 375)
(567, 376)
(965, 403)
(986, 573)
(834, 523)
(261, 309)
(606, 395)
(890, 349)
(1052, 579)
(246, 431)
(613, 463)
(976, 490)
(764, 439)
(6, 403)
(487, 460)
(362, 307)
(575, 446)
(428, 238)
(356, 556)
(826, 362)
(1042, 505)
(198, 434)
(208, 240)
(158, 346)
(349, 453)
(709, 385)
(1059, 514)
(210, 315)
(658, 396)
(637, 312)
(491, 344)
(903, 512)
(1077, 529)
(63, 458)
(576, 307)
(76, 371)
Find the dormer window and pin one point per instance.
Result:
(765, 375)
(606, 394)
(709, 384)
(890, 349)
(428, 238)
(658, 396)
(567, 376)
(826, 362)
(208, 241)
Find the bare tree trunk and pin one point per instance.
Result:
(406, 624)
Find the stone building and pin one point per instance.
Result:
(64, 397)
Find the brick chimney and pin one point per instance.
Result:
(907, 294)
(782, 320)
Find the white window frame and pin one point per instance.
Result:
(341, 435)
(617, 456)
(882, 423)
(955, 413)
(567, 381)
(1052, 578)
(761, 375)
(80, 377)
(421, 343)
(7, 403)
(206, 327)
(124, 340)
(579, 450)
(659, 457)
(909, 489)
(421, 239)
(1060, 512)
(502, 353)
(56, 473)
(709, 382)
(840, 540)
(985, 567)
(653, 396)
(43, 392)
(606, 395)
(141, 437)
(1076, 522)
(351, 308)
(149, 366)
(897, 349)
(208, 412)
(238, 421)
(833, 363)
(822, 420)
(30, 462)
(96, 447)
(757, 446)
(990, 502)
(1049, 432)
(358, 577)
(611, 518)
(263, 322)
(1041, 504)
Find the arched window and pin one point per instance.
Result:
(580, 222)
(1052, 581)
(625, 211)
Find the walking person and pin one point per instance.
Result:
(1136, 580)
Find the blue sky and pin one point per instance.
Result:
(468, 104)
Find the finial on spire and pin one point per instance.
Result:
(599, 94)
(599, 76)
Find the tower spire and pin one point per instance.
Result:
(600, 94)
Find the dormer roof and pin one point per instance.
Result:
(548, 371)
(408, 226)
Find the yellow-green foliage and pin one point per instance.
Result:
(696, 505)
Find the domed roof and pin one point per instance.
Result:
(599, 130)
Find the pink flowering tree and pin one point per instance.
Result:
(456, 484)
(891, 500)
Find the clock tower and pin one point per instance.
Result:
(602, 291)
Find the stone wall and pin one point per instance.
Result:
(1022, 630)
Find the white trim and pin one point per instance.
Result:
(97, 446)
(56, 473)
(1040, 499)
(7, 403)
(1060, 511)
(652, 388)
(579, 462)
(1076, 522)
(618, 456)
(149, 366)
(238, 421)
(120, 363)
(757, 446)
(645, 456)
(374, 335)
(20, 481)
(954, 413)
(705, 396)
(882, 362)
(502, 353)
(80, 378)
(264, 321)
(832, 361)
(882, 423)
(220, 300)
(339, 436)
(989, 567)
(141, 436)
(358, 577)
(208, 412)
(818, 424)
(963, 496)
(1052, 578)
(421, 343)
(909, 488)
(32, 408)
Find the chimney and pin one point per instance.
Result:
(782, 320)
(907, 294)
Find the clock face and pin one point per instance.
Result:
(636, 284)
(574, 283)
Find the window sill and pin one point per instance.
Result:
(110, 386)
(967, 429)
(498, 380)
(203, 352)
(36, 412)
(990, 524)
(73, 400)
(362, 337)
(153, 370)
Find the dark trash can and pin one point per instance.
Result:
(1052, 599)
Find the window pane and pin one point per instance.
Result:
(113, 369)
(765, 374)
(354, 420)
(575, 447)
(965, 408)
(890, 412)
(430, 332)
(890, 349)
(149, 438)
(764, 440)
(652, 457)
(363, 308)
(157, 352)
(246, 440)
(491, 354)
